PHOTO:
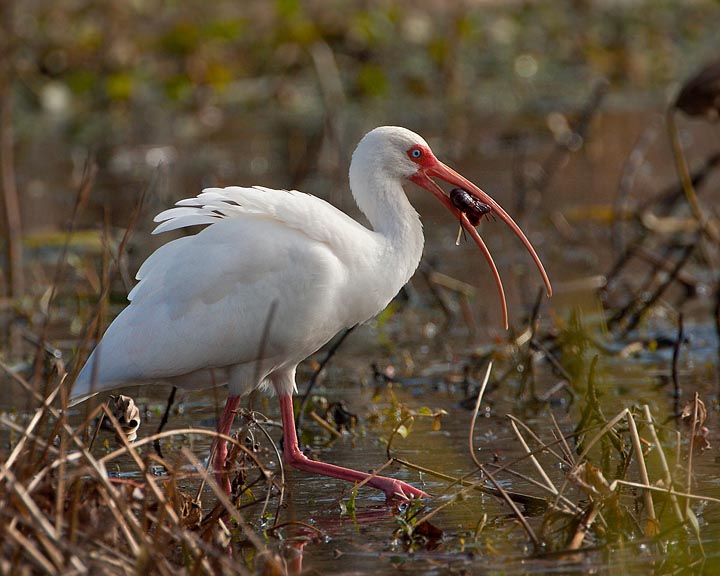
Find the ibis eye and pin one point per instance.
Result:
(416, 152)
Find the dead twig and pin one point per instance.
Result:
(659, 291)
(708, 227)
(675, 358)
(165, 418)
(11, 200)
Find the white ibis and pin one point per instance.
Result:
(272, 277)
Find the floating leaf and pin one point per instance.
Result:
(688, 412)
(428, 530)
(436, 424)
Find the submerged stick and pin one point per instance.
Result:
(516, 511)
(546, 479)
(659, 291)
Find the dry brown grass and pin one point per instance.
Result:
(62, 511)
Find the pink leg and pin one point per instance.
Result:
(220, 445)
(392, 488)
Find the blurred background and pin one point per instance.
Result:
(578, 116)
(277, 92)
(541, 103)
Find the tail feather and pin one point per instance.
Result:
(89, 382)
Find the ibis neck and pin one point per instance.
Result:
(397, 227)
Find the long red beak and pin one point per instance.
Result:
(423, 177)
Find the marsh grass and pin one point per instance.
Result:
(71, 504)
(625, 482)
(603, 480)
(62, 510)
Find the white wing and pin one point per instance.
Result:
(205, 300)
(294, 209)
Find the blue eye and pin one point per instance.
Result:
(416, 153)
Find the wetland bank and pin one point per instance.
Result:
(594, 445)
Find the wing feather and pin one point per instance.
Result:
(290, 207)
(200, 299)
(178, 222)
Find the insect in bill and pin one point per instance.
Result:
(473, 209)
(469, 205)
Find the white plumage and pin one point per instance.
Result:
(272, 277)
(203, 300)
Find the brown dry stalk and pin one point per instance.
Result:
(30, 549)
(223, 498)
(480, 485)
(544, 447)
(141, 466)
(546, 479)
(11, 200)
(637, 445)
(375, 472)
(49, 548)
(688, 477)
(117, 506)
(278, 458)
(83, 191)
(508, 468)
(707, 225)
(582, 457)
(471, 433)
(663, 462)
(181, 432)
(39, 413)
(584, 523)
(661, 490)
(324, 424)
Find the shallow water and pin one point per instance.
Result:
(428, 358)
(366, 540)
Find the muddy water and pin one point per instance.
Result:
(428, 358)
(366, 540)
